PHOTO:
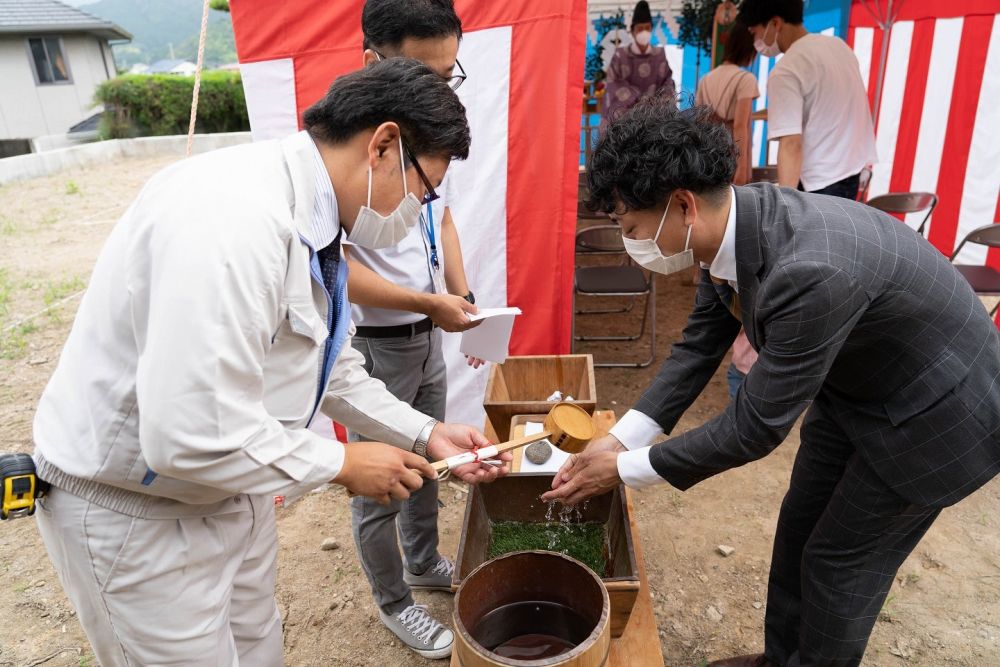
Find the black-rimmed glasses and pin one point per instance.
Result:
(430, 195)
(459, 77)
(455, 80)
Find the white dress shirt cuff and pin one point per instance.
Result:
(636, 471)
(636, 430)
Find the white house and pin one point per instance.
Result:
(52, 58)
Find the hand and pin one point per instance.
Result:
(587, 474)
(607, 443)
(475, 362)
(451, 439)
(451, 312)
(382, 472)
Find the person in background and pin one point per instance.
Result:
(817, 106)
(637, 70)
(402, 297)
(730, 91)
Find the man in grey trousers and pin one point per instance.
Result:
(401, 297)
(860, 324)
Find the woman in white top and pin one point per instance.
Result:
(730, 91)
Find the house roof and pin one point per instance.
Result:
(165, 66)
(50, 16)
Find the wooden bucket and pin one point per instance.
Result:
(571, 426)
(527, 577)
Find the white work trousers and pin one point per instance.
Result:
(194, 591)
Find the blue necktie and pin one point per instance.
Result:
(329, 265)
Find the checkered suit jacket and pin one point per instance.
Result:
(847, 305)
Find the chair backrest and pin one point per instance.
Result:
(904, 202)
(600, 239)
(583, 193)
(988, 235)
(768, 174)
(864, 180)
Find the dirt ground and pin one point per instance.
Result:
(943, 610)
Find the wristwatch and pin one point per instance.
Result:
(420, 444)
(470, 297)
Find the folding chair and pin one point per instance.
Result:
(864, 180)
(985, 280)
(907, 202)
(583, 193)
(625, 280)
(605, 240)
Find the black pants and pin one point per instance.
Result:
(842, 535)
(845, 187)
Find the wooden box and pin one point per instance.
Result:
(516, 498)
(521, 385)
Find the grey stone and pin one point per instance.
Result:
(725, 550)
(330, 544)
(538, 453)
(713, 614)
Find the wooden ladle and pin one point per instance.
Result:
(567, 426)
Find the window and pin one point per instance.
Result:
(47, 57)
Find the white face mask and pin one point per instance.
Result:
(771, 50)
(647, 254)
(642, 38)
(376, 231)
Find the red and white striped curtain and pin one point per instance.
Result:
(938, 125)
(516, 204)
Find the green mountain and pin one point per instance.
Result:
(156, 25)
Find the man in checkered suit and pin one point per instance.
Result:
(860, 324)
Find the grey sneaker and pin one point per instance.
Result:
(420, 632)
(436, 578)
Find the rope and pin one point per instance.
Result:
(197, 76)
(44, 310)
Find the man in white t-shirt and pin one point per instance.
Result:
(817, 106)
(402, 297)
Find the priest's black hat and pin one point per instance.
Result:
(641, 13)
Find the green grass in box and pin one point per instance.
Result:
(582, 541)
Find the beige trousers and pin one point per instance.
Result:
(192, 591)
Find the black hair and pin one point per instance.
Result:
(386, 23)
(759, 12)
(739, 48)
(654, 149)
(402, 90)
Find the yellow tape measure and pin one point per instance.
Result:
(20, 485)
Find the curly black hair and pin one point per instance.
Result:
(759, 12)
(654, 149)
(431, 119)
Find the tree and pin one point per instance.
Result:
(219, 5)
(695, 25)
(594, 68)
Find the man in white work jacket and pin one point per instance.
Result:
(215, 329)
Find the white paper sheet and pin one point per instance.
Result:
(490, 339)
(552, 465)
